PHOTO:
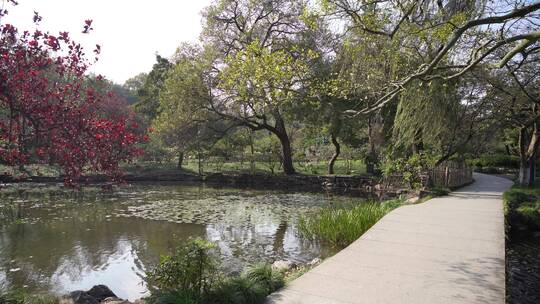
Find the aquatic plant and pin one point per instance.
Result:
(342, 224)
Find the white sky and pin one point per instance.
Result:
(130, 32)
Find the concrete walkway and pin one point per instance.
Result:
(447, 250)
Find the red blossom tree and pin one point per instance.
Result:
(50, 112)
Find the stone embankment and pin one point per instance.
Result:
(358, 184)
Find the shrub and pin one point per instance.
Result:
(438, 191)
(180, 296)
(411, 169)
(251, 287)
(190, 276)
(522, 208)
(239, 290)
(496, 160)
(191, 267)
(341, 225)
(263, 275)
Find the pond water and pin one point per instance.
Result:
(64, 242)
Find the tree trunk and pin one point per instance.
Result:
(281, 133)
(532, 170)
(252, 150)
(370, 158)
(199, 160)
(524, 173)
(528, 146)
(508, 152)
(336, 154)
(287, 160)
(180, 160)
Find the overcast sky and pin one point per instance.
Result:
(130, 32)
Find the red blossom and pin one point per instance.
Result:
(37, 17)
(59, 121)
(87, 26)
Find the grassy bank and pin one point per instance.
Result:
(341, 225)
(522, 208)
(522, 214)
(341, 167)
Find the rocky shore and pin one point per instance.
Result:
(99, 294)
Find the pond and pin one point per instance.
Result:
(67, 241)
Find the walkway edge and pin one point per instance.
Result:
(446, 250)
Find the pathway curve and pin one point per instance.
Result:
(448, 250)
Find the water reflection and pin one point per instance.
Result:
(68, 243)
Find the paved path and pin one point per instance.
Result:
(447, 250)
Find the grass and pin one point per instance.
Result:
(21, 297)
(32, 170)
(343, 224)
(341, 167)
(522, 208)
(251, 287)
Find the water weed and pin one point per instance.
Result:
(342, 224)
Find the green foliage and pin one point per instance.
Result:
(522, 208)
(427, 113)
(21, 297)
(411, 168)
(341, 225)
(191, 276)
(191, 267)
(238, 290)
(263, 275)
(251, 287)
(437, 191)
(496, 160)
(149, 89)
(264, 78)
(181, 296)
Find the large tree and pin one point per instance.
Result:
(185, 122)
(262, 66)
(449, 38)
(149, 87)
(514, 95)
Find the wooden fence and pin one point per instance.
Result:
(450, 174)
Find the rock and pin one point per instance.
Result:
(412, 200)
(314, 262)
(101, 292)
(82, 297)
(65, 300)
(283, 266)
(114, 300)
